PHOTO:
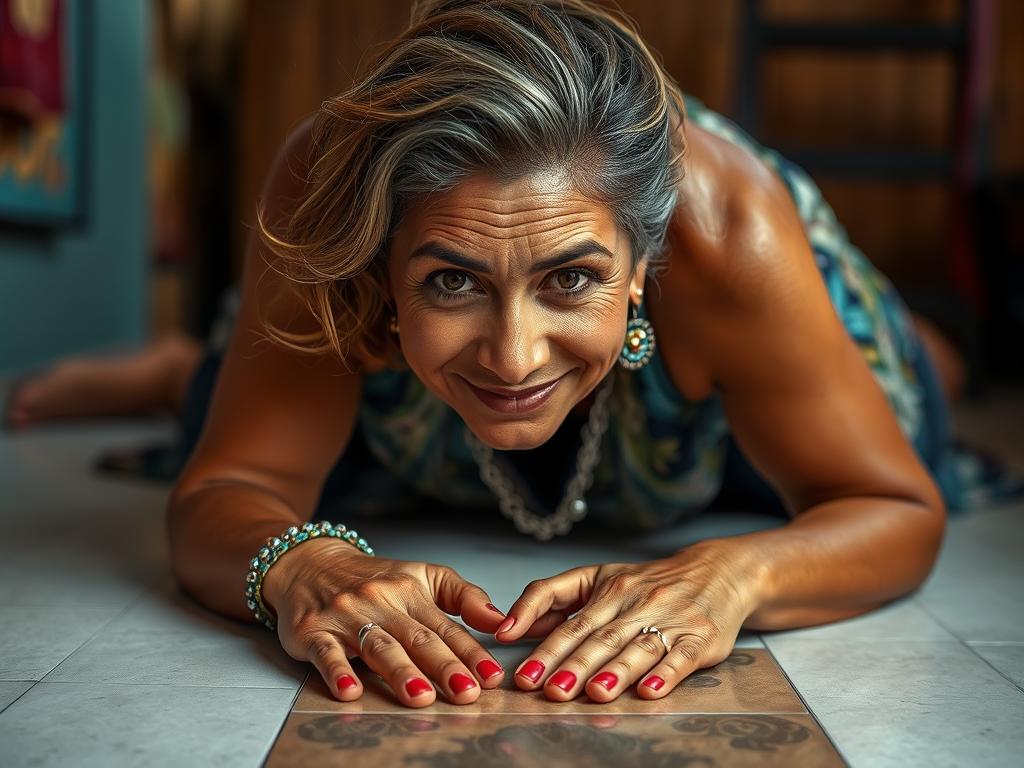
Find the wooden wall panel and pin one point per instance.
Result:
(297, 53)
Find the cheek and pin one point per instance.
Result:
(430, 339)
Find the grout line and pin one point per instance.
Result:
(807, 706)
(11, 704)
(999, 671)
(939, 621)
(284, 722)
(995, 643)
(131, 604)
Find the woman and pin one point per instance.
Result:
(460, 256)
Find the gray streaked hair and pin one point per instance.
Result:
(506, 87)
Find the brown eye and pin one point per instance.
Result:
(453, 281)
(569, 279)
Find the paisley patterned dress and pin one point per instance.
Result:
(663, 457)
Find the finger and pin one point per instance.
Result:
(687, 655)
(385, 655)
(458, 597)
(556, 663)
(433, 655)
(328, 655)
(567, 591)
(637, 658)
(448, 653)
(595, 652)
(542, 627)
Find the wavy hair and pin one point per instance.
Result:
(510, 87)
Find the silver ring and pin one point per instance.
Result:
(364, 631)
(656, 631)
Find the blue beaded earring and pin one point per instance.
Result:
(638, 348)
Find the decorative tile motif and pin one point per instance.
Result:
(739, 712)
(482, 741)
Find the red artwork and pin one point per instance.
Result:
(31, 58)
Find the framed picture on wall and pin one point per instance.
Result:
(42, 113)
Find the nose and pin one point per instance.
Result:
(514, 346)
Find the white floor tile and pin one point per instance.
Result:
(10, 691)
(68, 724)
(901, 619)
(906, 704)
(166, 638)
(36, 639)
(975, 590)
(1007, 658)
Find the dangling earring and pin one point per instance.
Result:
(638, 348)
(393, 324)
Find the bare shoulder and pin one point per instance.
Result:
(735, 232)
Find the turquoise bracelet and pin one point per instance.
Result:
(276, 546)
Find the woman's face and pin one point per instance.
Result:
(503, 288)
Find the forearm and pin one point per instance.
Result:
(836, 560)
(214, 532)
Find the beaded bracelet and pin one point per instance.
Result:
(277, 546)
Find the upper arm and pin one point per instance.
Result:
(800, 398)
(278, 419)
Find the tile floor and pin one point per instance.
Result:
(103, 662)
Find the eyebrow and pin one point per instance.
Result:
(585, 248)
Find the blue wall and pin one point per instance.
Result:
(85, 288)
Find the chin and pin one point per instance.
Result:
(511, 435)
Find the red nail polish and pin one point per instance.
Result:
(417, 686)
(345, 681)
(506, 625)
(532, 670)
(495, 609)
(606, 680)
(460, 682)
(563, 679)
(654, 682)
(488, 668)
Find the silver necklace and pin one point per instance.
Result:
(573, 506)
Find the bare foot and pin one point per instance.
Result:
(151, 380)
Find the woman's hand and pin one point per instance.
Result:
(325, 590)
(698, 598)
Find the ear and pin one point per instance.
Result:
(636, 283)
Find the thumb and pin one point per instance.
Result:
(546, 598)
(458, 597)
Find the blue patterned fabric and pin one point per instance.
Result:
(665, 458)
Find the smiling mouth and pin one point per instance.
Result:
(515, 400)
(516, 393)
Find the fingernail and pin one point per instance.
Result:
(460, 682)
(488, 668)
(532, 670)
(417, 686)
(563, 679)
(345, 681)
(506, 625)
(607, 680)
(495, 609)
(654, 682)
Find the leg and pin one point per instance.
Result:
(151, 380)
(949, 363)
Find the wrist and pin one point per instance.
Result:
(275, 548)
(279, 578)
(748, 568)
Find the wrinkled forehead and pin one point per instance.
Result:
(525, 217)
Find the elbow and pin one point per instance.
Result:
(931, 532)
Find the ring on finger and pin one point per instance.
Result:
(364, 631)
(660, 634)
